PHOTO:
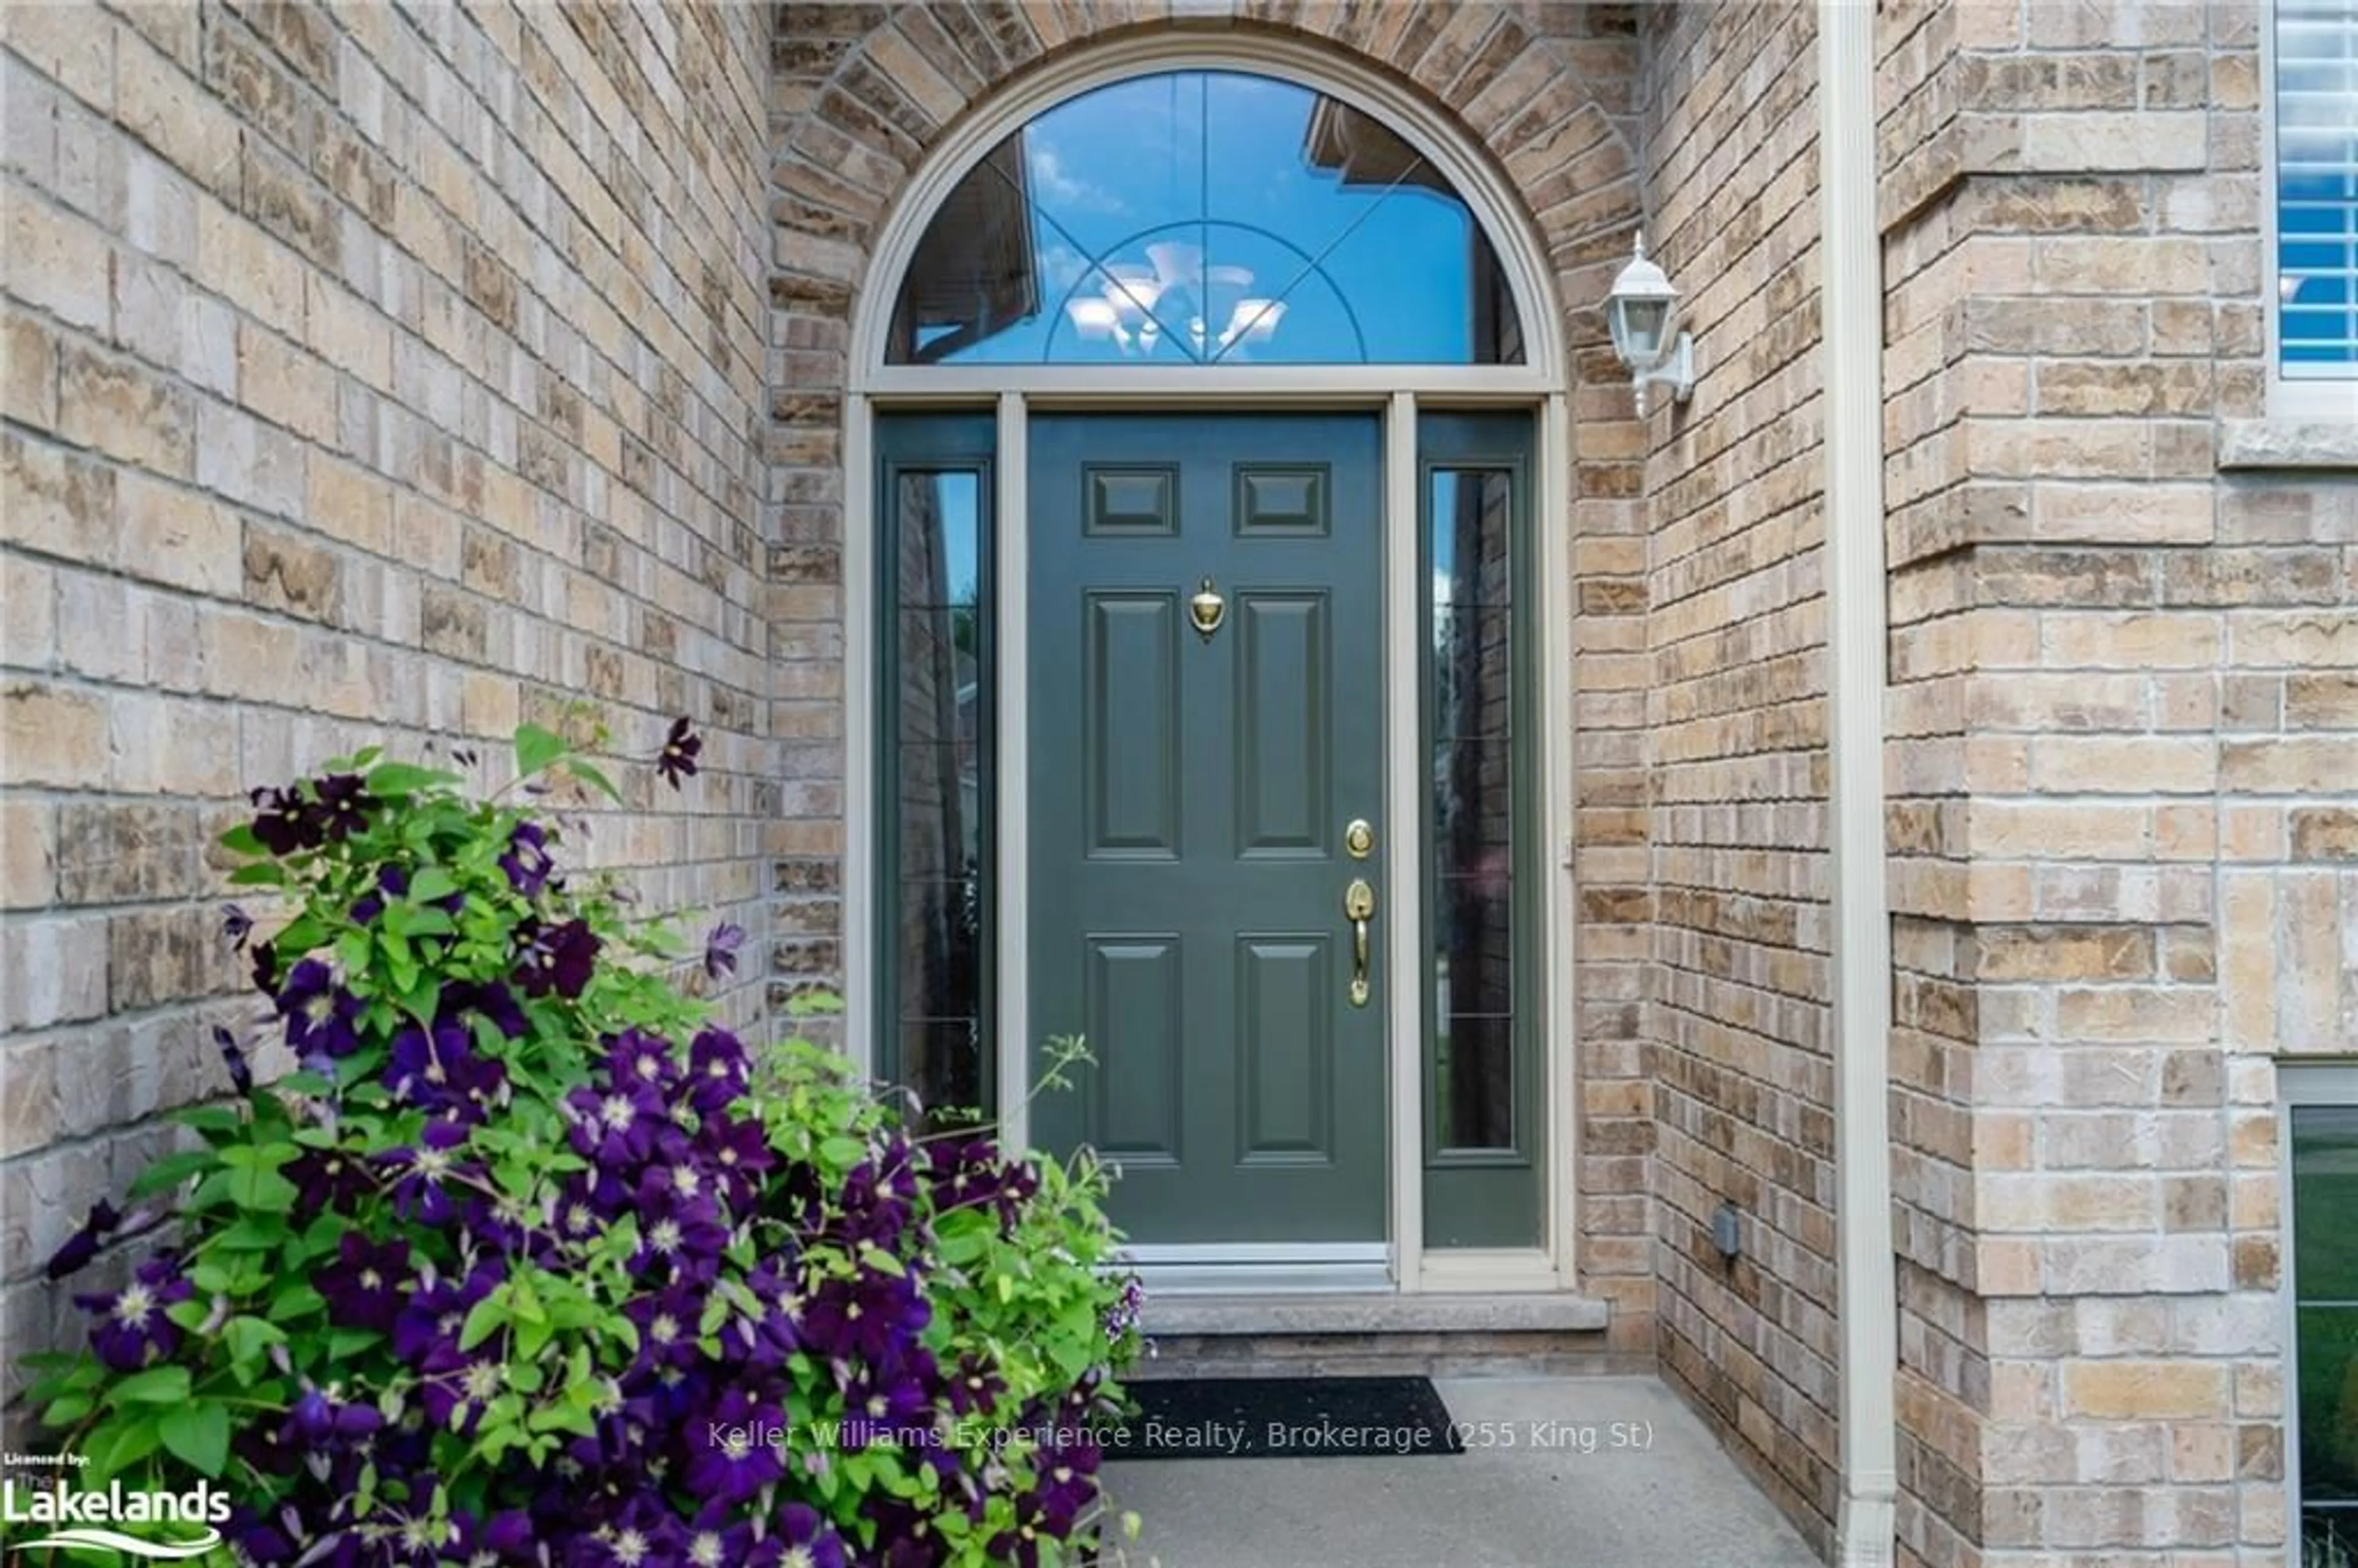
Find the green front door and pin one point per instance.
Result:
(1190, 796)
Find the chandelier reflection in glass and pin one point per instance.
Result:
(1126, 310)
(1129, 304)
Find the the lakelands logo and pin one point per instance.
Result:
(159, 1526)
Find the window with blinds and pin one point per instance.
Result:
(2317, 188)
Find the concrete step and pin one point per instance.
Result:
(1370, 1334)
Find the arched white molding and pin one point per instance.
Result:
(1488, 194)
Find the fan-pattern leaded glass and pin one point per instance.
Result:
(1202, 218)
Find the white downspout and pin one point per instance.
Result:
(1851, 318)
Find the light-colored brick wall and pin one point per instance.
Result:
(370, 375)
(1736, 738)
(2120, 768)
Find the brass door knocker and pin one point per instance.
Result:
(1207, 609)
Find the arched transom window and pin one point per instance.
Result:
(1205, 217)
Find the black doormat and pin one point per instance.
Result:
(1284, 1418)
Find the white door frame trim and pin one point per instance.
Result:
(1551, 857)
(1405, 846)
(1014, 392)
(1012, 768)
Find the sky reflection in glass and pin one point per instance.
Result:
(2317, 186)
(1199, 217)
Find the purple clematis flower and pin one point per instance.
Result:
(132, 1330)
(718, 1539)
(236, 925)
(490, 1001)
(558, 959)
(740, 1460)
(738, 1155)
(587, 1205)
(645, 1532)
(439, 1072)
(762, 1342)
(877, 1197)
(720, 948)
(1068, 1485)
(877, 1406)
(621, 1126)
(256, 1540)
(766, 1338)
(504, 1538)
(505, 1223)
(427, 1171)
(329, 1179)
(802, 1537)
(869, 1317)
(435, 1314)
(717, 1071)
(456, 1387)
(1018, 1185)
(344, 804)
(392, 882)
(1020, 1547)
(286, 822)
(665, 1184)
(974, 1385)
(904, 1536)
(635, 1060)
(321, 1016)
(366, 1282)
(688, 1233)
(527, 862)
(667, 1323)
(316, 1421)
(83, 1245)
(680, 750)
(1122, 1316)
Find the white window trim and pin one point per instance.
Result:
(2299, 1084)
(2328, 396)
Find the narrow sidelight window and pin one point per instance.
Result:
(1474, 807)
(2321, 1138)
(935, 732)
(1483, 1124)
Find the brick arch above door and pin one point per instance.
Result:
(864, 95)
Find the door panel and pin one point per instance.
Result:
(1281, 500)
(1189, 795)
(1132, 746)
(1283, 797)
(1135, 1009)
(1285, 1038)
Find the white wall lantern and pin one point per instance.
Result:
(1643, 311)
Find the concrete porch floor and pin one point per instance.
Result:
(1564, 1497)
